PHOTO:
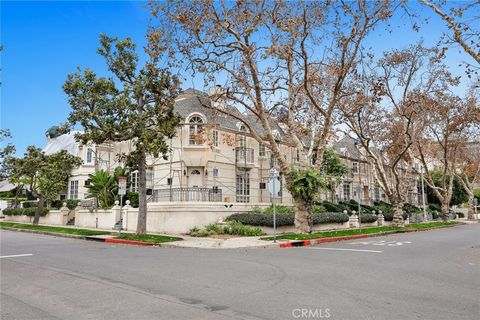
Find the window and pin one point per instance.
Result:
(134, 181)
(263, 185)
(196, 130)
(169, 181)
(355, 167)
(73, 189)
(216, 142)
(377, 193)
(215, 172)
(297, 155)
(243, 186)
(273, 161)
(261, 150)
(89, 155)
(195, 172)
(346, 191)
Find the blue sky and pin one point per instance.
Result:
(44, 41)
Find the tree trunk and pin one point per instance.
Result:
(471, 204)
(445, 210)
(303, 217)
(142, 195)
(38, 211)
(398, 215)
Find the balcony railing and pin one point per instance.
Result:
(244, 155)
(187, 194)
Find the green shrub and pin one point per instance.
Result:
(232, 228)
(32, 204)
(340, 207)
(133, 197)
(367, 218)
(389, 215)
(263, 219)
(318, 208)
(435, 207)
(411, 208)
(279, 209)
(71, 203)
(266, 220)
(330, 217)
(30, 212)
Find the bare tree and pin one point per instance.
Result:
(280, 61)
(384, 115)
(447, 121)
(461, 18)
(468, 165)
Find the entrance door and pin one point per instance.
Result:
(195, 177)
(366, 194)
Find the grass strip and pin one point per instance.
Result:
(74, 231)
(150, 238)
(372, 230)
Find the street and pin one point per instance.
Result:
(422, 275)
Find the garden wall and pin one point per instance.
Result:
(180, 217)
(53, 217)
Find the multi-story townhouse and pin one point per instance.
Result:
(214, 158)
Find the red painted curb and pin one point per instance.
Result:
(306, 243)
(123, 241)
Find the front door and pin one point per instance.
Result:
(195, 177)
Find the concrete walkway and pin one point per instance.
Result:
(211, 243)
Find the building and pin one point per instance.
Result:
(214, 158)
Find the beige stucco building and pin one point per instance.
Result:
(213, 158)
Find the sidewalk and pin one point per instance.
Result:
(211, 243)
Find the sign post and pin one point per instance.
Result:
(122, 190)
(274, 185)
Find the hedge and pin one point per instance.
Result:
(30, 212)
(285, 219)
(367, 218)
(71, 203)
(389, 216)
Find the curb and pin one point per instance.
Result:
(48, 233)
(133, 242)
(306, 243)
(310, 242)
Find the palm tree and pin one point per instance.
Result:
(103, 187)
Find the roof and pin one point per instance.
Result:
(63, 142)
(191, 101)
(347, 144)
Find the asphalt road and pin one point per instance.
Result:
(423, 275)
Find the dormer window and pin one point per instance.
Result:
(196, 130)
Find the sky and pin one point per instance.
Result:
(45, 41)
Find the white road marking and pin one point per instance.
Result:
(382, 243)
(342, 249)
(17, 255)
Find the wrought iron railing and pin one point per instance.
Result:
(187, 194)
(243, 154)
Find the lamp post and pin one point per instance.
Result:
(423, 198)
(273, 192)
(359, 190)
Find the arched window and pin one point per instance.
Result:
(196, 130)
(195, 172)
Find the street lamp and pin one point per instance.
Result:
(423, 198)
(274, 186)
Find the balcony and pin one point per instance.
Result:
(244, 157)
(187, 194)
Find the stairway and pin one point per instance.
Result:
(71, 222)
(118, 225)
